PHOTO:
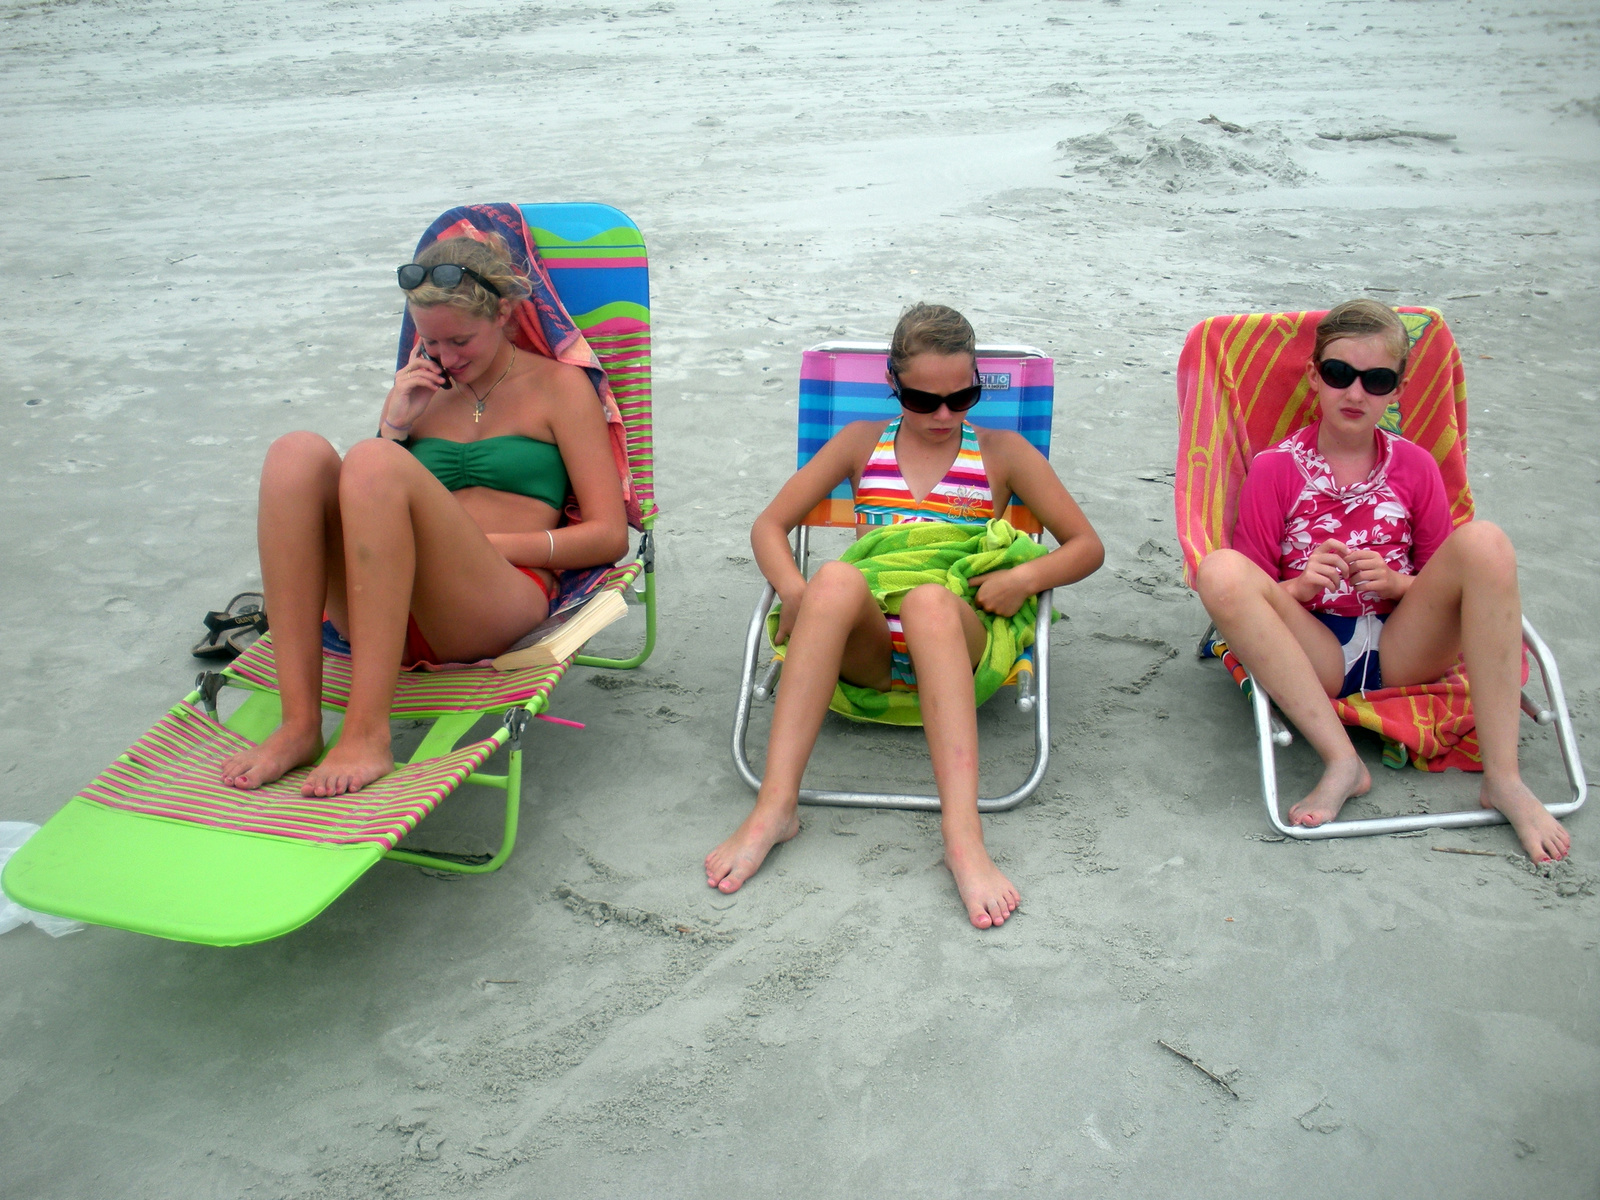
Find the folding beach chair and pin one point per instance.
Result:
(1241, 389)
(156, 844)
(842, 382)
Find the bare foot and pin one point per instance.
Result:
(353, 763)
(1341, 779)
(989, 896)
(283, 751)
(1543, 837)
(738, 858)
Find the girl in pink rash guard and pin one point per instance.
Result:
(1344, 576)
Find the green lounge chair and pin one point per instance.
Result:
(156, 844)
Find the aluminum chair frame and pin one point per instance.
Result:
(1033, 687)
(1271, 733)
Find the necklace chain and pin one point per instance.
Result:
(480, 401)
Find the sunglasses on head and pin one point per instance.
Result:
(1378, 381)
(445, 275)
(918, 401)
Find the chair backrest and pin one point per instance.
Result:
(842, 382)
(1242, 388)
(598, 265)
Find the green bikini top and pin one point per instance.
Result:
(513, 463)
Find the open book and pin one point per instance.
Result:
(564, 632)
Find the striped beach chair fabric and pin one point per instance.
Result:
(156, 844)
(1242, 388)
(841, 382)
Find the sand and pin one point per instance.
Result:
(204, 201)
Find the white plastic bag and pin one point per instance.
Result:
(12, 835)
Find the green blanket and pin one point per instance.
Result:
(896, 559)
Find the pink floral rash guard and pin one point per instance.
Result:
(1290, 505)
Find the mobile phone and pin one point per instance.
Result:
(446, 385)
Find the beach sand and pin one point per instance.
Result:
(205, 201)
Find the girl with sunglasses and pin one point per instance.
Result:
(437, 540)
(1345, 577)
(927, 464)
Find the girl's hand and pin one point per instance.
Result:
(787, 615)
(1327, 569)
(414, 386)
(1001, 592)
(1372, 576)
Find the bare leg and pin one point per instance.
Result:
(297, 529)
(1466, 601)
(409, 546)
(946, 638)
(1298, 661)
(839, 632)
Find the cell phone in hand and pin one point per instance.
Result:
(446, 385)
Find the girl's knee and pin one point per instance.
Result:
(837, 580)
(931, 606)
(1223, 576)
(373, 461)
(1484, 544)
(299, 460)
(301, 447)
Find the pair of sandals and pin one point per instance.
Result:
(233, 630)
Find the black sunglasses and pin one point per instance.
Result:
(1378, 381)
(928, 402)
(445, 275)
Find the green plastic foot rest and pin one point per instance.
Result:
(177, 880)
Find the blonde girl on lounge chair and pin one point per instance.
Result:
(1345, 576)
(436, 541)
(927, 464)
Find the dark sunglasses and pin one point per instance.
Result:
(445, 275)
(928, 402)
(1378, 381)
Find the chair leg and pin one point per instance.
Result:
(843, 799)
(510, 783)
(1566, 740)
(741, 712)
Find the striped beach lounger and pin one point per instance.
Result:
(156, 844)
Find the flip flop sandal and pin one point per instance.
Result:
(231, 631)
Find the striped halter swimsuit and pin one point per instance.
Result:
(883, 498)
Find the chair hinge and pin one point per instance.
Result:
(516, 722)
(209, 683)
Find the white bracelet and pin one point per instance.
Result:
(552, 558)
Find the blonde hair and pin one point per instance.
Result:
(930, 328)
(490, 258)
(1363, 318)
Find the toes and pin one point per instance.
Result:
(981, 919)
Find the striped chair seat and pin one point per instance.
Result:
(417, 693)
(427, 693)
(175, 771)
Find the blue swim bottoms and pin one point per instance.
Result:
(1358, 636)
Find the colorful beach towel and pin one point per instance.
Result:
(1427, 725)
(898, 558)
(542, 325)
(1242, 388)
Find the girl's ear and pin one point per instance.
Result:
(507, 306)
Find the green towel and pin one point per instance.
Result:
(896, 559)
